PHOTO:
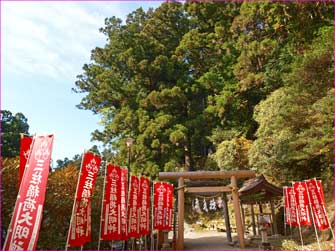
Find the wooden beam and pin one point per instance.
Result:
(237, 211)
(207, 174)
(181, 200)
(274, 221)
(207, 189)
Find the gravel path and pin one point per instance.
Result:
(207, 241)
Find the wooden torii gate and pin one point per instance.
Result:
(233, 175)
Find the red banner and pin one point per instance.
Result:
(294, 220)
(124, 189)
(80, 228)
(111, 218)
(315, 193)
(301, 198)
(318, 182)
(133, 216)
(26, 220)
(167, 223)
(24, 154)
(160, 203)
(144, 206)
(287, 206)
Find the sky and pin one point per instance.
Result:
(43, 48)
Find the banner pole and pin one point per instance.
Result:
(284, 201)
(74, 203)
(311, 209)
(324, 209)
(152, 247)
(298, 217)
(102, 205)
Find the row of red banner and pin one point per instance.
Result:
(122, 217)
(125, 214)
(302, 197)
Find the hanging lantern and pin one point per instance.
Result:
(212, 205)
(205, 206)
(220, 202)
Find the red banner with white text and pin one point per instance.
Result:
(111, 218)
(160, 203)
(315, 193)
(124, 190)
(294, 220)
(80, 229)
(26, 220)
(301, 198)
(167, 223)
(144, 206)
(24, 154)
(287, 207)
(133, 216)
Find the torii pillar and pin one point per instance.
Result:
(181, 200)
(237, 211)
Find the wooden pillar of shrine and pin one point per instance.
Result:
(226, 218)
(274, 225)
(243, 216)
(238, 219)
(181, 199)
(253, 223)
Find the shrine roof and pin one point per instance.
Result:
(258, 189)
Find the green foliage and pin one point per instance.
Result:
(184, 79)
(295, 134)
(233, 154)
(11, 127)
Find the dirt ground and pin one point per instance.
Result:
(207, 241)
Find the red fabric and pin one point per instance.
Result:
(320, 217)
(300, 190)
(168, 210)
(294, 220)
(287, 207)
(111, 218)
(144, 206)
(80, 229)
(24, 154)
(123, 202)
(321, 191)
(160, 205)
(27, 217)
(89, 172)
(133, 216)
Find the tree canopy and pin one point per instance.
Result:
(248, 84)
(11, 128)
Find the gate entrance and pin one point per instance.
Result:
(231, 188)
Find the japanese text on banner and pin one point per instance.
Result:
(300, 191)
(133, 216)
(144, 206)
(317, 203)
(80, 229)
(27, 217)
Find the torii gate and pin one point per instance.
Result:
(233, 175)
